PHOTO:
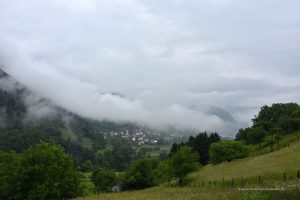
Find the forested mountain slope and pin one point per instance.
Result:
(26, 119)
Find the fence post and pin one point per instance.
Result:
(242, 182)
(298, 175)
(232, 182)
(284, 176)
(224, 180)
(260, 180)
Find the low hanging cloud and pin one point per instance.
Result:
(172, 61)
(86, 100)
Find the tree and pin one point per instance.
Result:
(87, 166)
(99, 142)
(270, 140)
(16, 140)
(284, 118)
(122, 154)
(214, 137)
(253, 135)
(175, 147)
(289, 124)
(201, 144)
(46, 172)
(165, 171)
(227, 151)
(184, 161)
(104, 179)
(141, 174)
(9, 174)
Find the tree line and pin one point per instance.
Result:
(271, 123)
(148, 172)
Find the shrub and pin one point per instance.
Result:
(227, 151)
(141, 174)
(104, 179)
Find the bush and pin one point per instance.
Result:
(227, 151)
(141, 174)
(104, 179)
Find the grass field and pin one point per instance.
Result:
(285, 160)
(167, 193)
(284, 141)
(270, 166)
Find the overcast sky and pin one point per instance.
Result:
(171, 59)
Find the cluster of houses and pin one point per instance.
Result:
(137, 136)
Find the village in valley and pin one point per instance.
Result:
(138, 136)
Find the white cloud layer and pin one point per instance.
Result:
(166, 57)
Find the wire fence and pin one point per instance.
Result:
(257, 181)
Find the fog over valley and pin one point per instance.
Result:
(195, 65)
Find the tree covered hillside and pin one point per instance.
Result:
(26, 119)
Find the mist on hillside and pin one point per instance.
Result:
(205, 65)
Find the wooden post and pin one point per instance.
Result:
(284, 176)
(242, 182)
(298, 175)
(232, 182)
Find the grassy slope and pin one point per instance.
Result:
(285, 160)
(284, 141)
(268, 165)
(166, 193)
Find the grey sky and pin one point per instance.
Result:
(165, 56)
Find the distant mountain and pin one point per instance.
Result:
(216, 111)
(221, 113)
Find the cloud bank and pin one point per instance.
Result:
(171, 60)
